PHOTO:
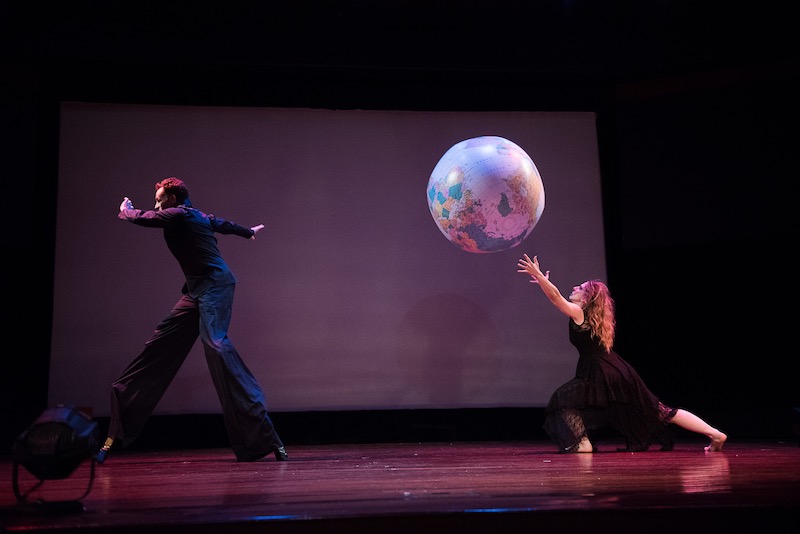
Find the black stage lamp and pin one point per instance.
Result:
(52, 448)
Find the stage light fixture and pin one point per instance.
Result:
(57, 442)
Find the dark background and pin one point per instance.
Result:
(697, 125)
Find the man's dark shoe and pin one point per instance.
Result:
(280, 454)
(102, 454)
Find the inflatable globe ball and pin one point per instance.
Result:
(485, 194)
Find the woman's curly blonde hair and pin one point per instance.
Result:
(598, 307)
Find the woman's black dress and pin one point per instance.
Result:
(606, 392)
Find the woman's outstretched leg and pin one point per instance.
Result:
(690, 421)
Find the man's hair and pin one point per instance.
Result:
(174, 186)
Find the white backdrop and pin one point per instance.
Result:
(350, 298)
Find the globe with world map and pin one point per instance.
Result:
(485, 194)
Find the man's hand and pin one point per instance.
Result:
(126, 204)
(255, 230)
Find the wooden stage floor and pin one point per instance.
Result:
(422, 487)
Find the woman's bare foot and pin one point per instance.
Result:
(585, 445)
(717, 441)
